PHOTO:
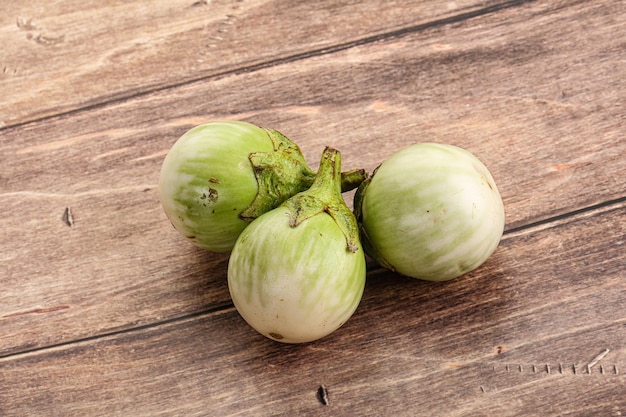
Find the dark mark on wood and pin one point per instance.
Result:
(68, 217)
(322, 395)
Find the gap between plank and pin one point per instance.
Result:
(398, 33)
(603, 208)
(554, 221)
(215, 310)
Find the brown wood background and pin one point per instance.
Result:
(110, 312)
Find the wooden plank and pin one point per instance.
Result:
(539, 331)
(490, 85)
(81, 53)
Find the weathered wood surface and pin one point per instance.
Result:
(550, 155)
(113, 313)
(519, 337)
(82, 53)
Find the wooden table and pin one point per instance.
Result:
(106, 310)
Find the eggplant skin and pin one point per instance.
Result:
(207, 180)
(295, 284)
(431, 211)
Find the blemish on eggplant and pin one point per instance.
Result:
(322, 395)
(213, 195)
(276, 336)
(214, 180)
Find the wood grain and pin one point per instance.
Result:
(512, 339)
(78, 54)
(487, 84)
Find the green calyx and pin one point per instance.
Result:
(279, 174)
(324, 196)
(283, 173)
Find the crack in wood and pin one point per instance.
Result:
(37, 311)
(598, 358)
(587, 370)
(25, 24)
(547, 369)
(48, 40)
(68, 217)
(322, 395)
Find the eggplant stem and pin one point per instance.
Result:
(324, 195)
(283, 172)
(280, 174)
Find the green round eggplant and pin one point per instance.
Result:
(431, 211)
(219, 176)
(297, 273)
